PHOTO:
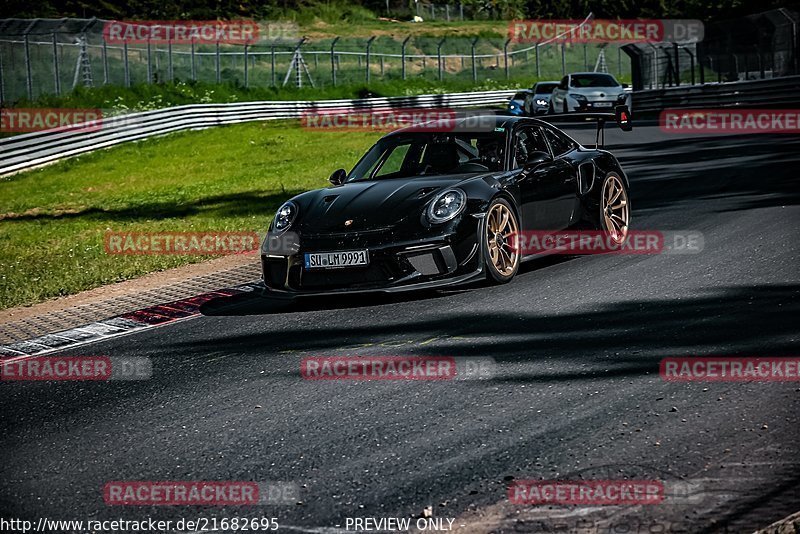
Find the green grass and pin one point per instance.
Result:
(233, 178)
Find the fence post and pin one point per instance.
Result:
(272, 62)
(403, 58)
(619, 61)
(505, 56)
(461, 10)
(217, 66)
(691, 60)
(2, 80)
(246, 80)
(538, 72)
(700, 63)
(149, 62)
(56, 76)
(474, 66)
(447, 11)
(439, 56)
(677, 64)
(369, 47)
(29, 78)
(563, 59)
(105, 63)
(333, 61)
(127, 65)
(194, 64)
(585, 58)
(170, 72)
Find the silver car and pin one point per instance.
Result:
(538, 101)
(588, 91)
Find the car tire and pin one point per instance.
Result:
(614, 209)
(501, 261)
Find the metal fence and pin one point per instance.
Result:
(756, 47)
(45, 57)
(30, 150)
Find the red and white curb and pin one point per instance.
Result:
(150, 317)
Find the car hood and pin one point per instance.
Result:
(370, 204)
(598, 92)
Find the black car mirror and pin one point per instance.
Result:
(537, 157)
(625, 86)
(338, 177)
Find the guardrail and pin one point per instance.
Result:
(30, 150)
(773, 92)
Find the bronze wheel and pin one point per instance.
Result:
(615, 209)
(502, 258)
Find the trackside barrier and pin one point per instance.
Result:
(30, 150)
(770, 93)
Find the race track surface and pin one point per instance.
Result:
(577, 394)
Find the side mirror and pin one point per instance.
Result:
(625, 85)
(338, 177)
(537, 157)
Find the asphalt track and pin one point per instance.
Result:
(577, 394)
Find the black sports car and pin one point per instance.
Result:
(440, 205)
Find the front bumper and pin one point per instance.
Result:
(605, 105)
(417, 263)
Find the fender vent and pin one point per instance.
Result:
(585, 177)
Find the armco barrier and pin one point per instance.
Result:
(31, 150)
(770, 93)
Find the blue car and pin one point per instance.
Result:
(516, 106)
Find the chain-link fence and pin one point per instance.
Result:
(43, 57)
(756, 47)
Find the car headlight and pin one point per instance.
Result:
(541, 102)
(447, 206)
(579, 98)
(285, 216)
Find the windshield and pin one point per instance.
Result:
(428, 154)
(593, 80)
(520, 96)
(545, 88)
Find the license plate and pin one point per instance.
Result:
(602, 104)
(331, 260)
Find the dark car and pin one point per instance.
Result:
(440, 205)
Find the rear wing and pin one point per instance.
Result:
(621, 115)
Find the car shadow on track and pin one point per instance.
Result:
(260, 302)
